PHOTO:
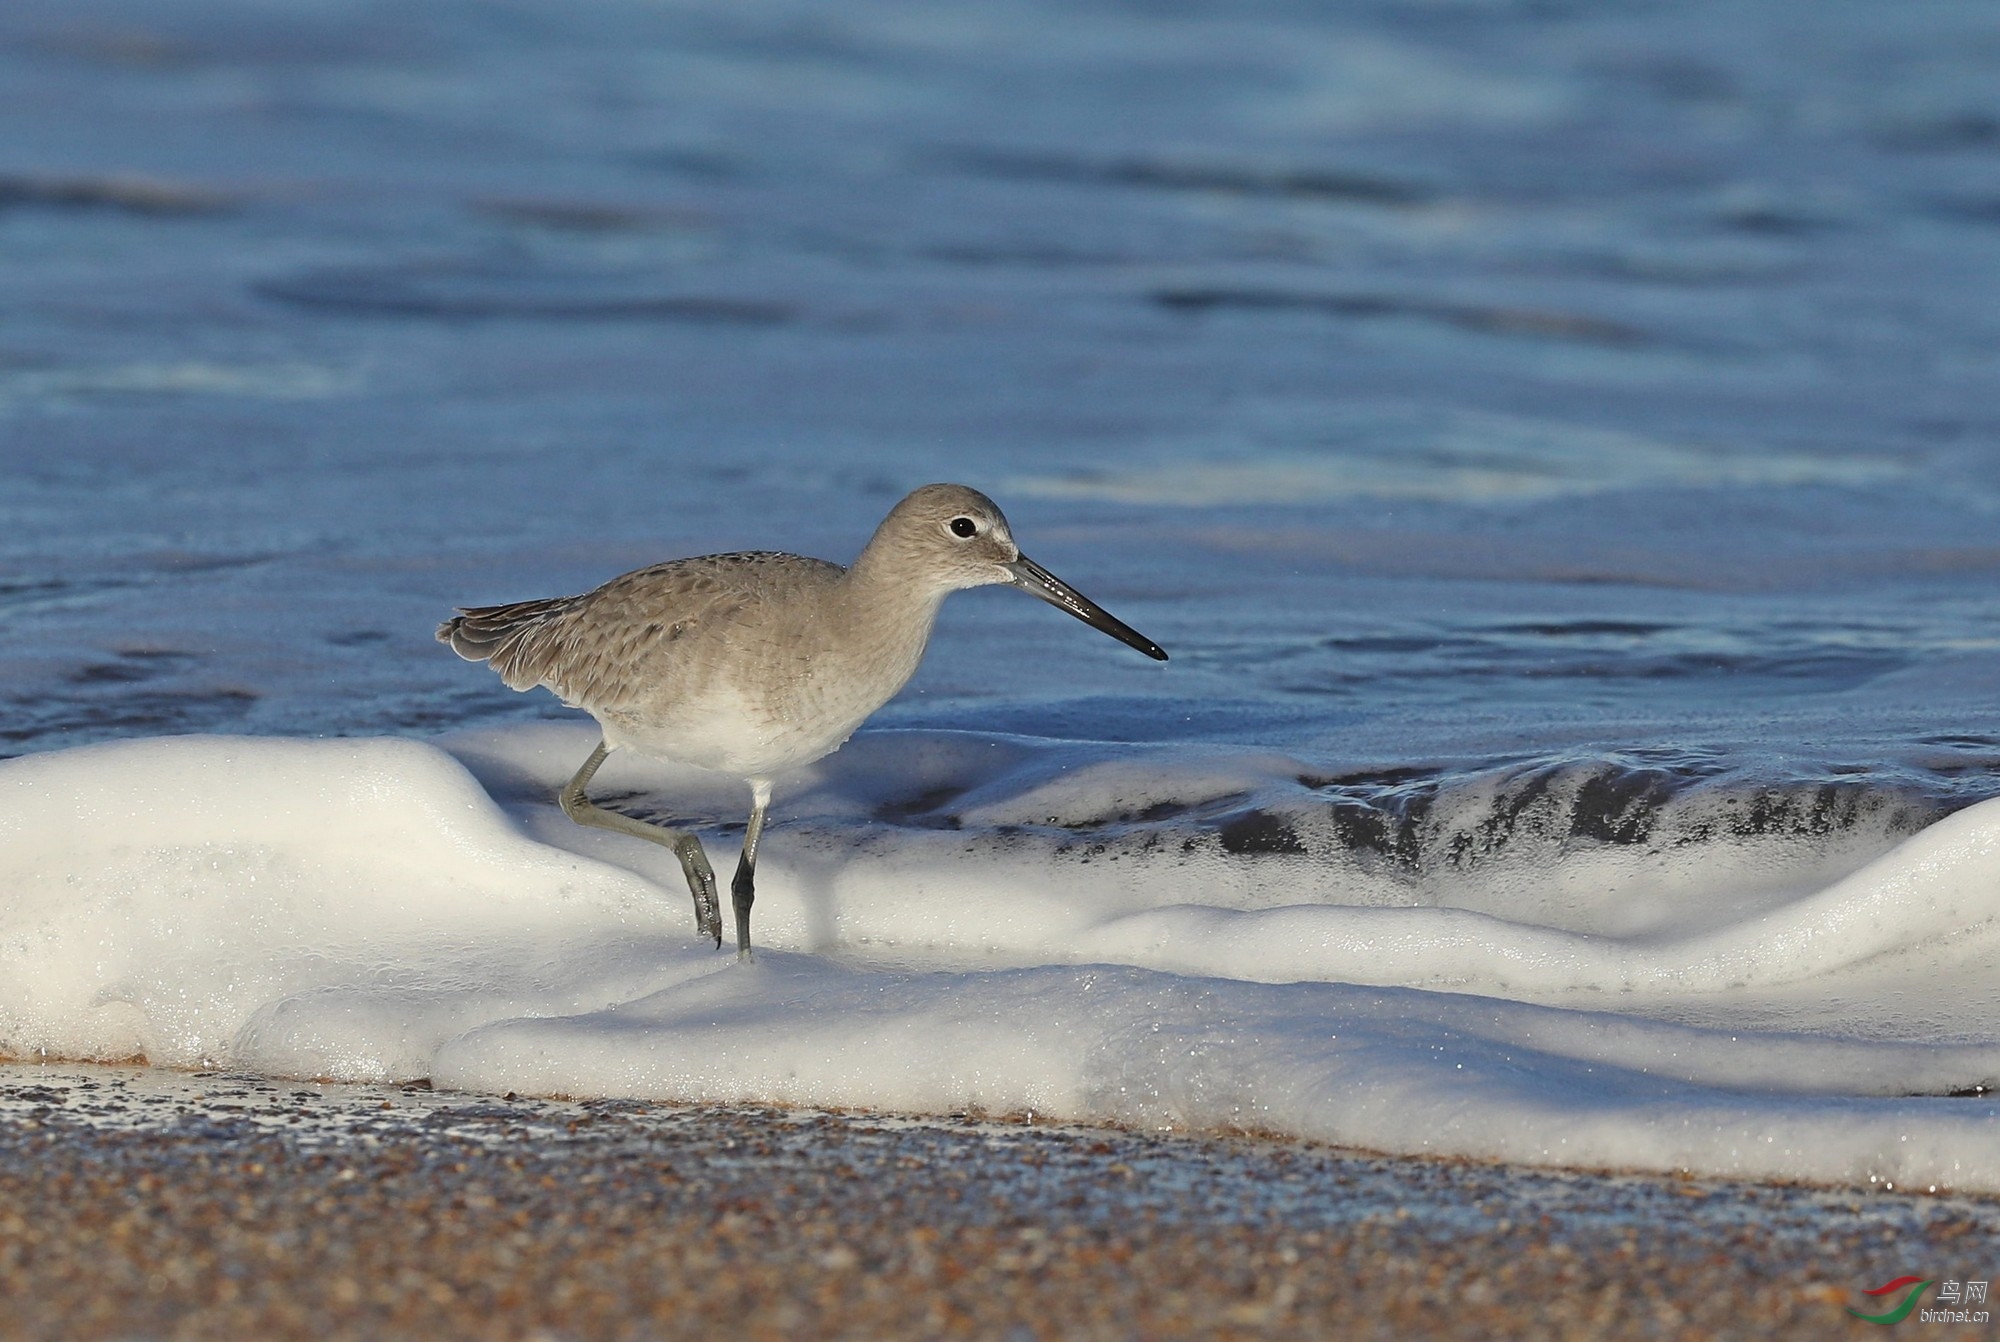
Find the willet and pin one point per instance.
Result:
(755, 663)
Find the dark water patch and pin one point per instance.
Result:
(124, 195)
(1677, 78)
(580, 216)
(18, 593)
(1967, 762)
(1386, 824)
(1457, 821)
(1974, 129)
(923, 811)
(1528, 323)
(1415, 822)
(1156, 812)
(476, 293)
(190, 561)
(132, 667)
(1209, 176)
(1587, 629)
(1393, 644)
(1680, 272)
(1619, 806)
(1379, 777)
(701, 165)
(1967, 209)
(1043, 255)
(1774, 221)
(359, 638)
(1814, 812)
(121, 710)
(1228, 814)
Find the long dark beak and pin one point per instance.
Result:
(1032, 577)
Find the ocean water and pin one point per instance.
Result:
(1558, 444)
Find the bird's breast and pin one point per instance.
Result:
(775, 704)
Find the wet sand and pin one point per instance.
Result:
(138, 1203)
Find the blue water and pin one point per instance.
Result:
(1459, 391)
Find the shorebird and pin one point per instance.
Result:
(755, 663)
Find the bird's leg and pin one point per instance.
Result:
(743, 889)
(686, 847)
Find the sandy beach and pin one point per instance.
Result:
(143, 1203)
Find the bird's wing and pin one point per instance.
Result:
(521, 640)
(621, 639)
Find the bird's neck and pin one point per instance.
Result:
(884, 590)
(882, 600)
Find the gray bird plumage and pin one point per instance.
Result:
(758, 662)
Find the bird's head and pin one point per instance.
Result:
(951, 537)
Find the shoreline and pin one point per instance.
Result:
(164, 1204)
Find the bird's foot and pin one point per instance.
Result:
(701, 884)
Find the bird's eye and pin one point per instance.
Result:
(964, 527)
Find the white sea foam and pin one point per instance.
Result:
(383, 909)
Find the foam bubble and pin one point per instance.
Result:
(370, 909)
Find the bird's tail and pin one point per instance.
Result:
(518, 640)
